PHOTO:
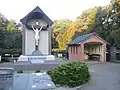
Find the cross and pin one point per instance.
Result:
(37, 29)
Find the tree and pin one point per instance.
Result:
(11, 26)
(2, 39)
(59, 28)
(112, 22)
(10, 35)
(18, 40)
(85, 22)
(65, 37)
(98, 26)
(3, 27)
(3, 22)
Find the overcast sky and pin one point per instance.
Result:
(55, 9)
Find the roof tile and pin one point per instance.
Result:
(80, 39)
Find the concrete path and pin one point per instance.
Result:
(104, 76)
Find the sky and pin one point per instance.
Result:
(55, 9)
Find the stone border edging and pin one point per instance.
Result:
(75, 88)
(79, 87)
(115, 61)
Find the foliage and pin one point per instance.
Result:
(98, 24)
(11, 26)
(10, 35)
(60, 25)
(3, 27)
(5, 59)
(59, 28)
(2, 38)
(103, 20)
(66, 37)
(83, 24)
(85, 21)
(3, 22)
(13, 39)
(37, 71)
(111, 22)
(11, 51)
(20, 71)
(70, 74)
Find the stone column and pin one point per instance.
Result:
(49, 39)
(23, 40)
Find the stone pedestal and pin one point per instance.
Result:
(36, 59)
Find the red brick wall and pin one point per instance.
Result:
(75, 53)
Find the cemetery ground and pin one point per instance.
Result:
(103, 76)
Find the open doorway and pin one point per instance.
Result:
(93, 51)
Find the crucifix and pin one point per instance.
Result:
(37, 29)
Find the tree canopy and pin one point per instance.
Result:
(103, 20)
(59, 28)
(10, 35)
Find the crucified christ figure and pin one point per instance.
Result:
(37, 30)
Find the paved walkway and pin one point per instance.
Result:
(104, 77)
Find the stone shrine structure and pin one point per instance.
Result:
(36, 45)
(36, 20)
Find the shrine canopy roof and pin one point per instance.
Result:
(36, 13)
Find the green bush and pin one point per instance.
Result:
(20, 71)
(70, 74)
(37, 71)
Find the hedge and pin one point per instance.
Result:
(70, 74)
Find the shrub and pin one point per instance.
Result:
(20, 71)
(37, 71)
(70, 74)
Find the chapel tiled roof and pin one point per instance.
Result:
(81, 38)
